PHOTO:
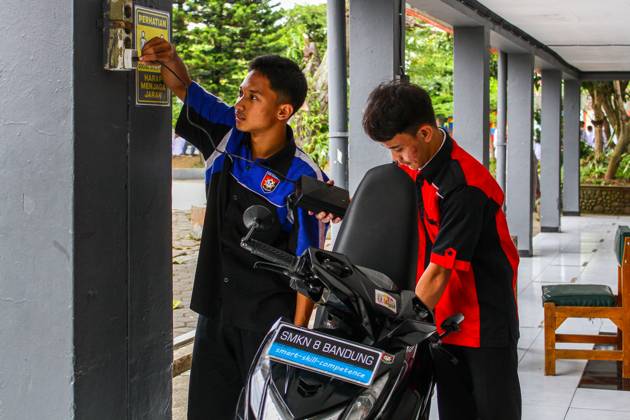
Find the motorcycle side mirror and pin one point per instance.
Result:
(451, 324)
(257, 217)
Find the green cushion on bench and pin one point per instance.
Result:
(621, 234)
(578, 295)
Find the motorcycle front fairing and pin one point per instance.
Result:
(358, 304)
(280, 391)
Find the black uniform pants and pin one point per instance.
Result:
(483, 385)
(221, 359)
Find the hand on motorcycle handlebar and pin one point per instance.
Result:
(324, 217)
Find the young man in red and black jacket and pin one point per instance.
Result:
(467, 260)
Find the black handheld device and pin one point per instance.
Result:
(314, 195)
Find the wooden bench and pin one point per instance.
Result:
(565, 301)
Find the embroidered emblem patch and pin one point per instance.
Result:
(385, 300)
(269, 182)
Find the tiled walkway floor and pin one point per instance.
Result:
(581, 253)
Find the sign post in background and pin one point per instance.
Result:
(150, 88)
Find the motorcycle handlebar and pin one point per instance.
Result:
(271, 254)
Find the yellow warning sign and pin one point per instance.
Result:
(150, 88)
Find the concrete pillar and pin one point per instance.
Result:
(337, 93)
(85, 225)
(550, 151)
(376, 56)
(471, 104)
(36, 211)
(499, 138)
(520, 104)
(571, 148)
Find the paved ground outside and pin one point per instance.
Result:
(185, 251)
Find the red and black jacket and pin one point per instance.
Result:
(462, 227)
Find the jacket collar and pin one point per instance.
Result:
(279, 161)
(434, 166)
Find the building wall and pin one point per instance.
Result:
(36, 208)
(85, 224)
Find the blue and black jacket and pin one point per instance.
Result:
(226, 286)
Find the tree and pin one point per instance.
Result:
(217, 39)
(597, 97)
(304, 40)
(615, 97)
(302, 27)
(429, 63)
(611, 98)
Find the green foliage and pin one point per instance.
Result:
(300, 25)
(492, 167)
(311, 130)
(585, 149)
(217, 39)
(303, 37)
(494, 86)
(177, 107)
(623, 172)
(429, 63)
(593, 170)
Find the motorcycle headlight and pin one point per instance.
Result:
(274, 408)
(259, 379)
(329, 415)
(363, 405)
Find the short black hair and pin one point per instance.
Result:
(397, 107)
(285, 77)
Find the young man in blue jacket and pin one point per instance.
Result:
(251, 158)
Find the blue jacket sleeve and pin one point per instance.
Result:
(205, 110)
(208, 106)
(311, 232)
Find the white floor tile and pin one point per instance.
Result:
(559, 274)
(556, 391)
(541, 411)
(578, 260)
(599, 399)
(530, 309)
(581, 414)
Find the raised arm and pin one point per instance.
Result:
(159, 51)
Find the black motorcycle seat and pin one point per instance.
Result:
(380, 229)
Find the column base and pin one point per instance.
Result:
(549, 229)
(570, 213)
(525, 253)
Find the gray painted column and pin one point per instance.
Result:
(85, 226)
(337, 93)
(571, 148)
(36, 211)
(375, 57)
(519, 200)
(471, 102)
(550, 151)
(499, 138)
(122, 227)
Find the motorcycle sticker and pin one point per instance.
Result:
(388, 358)
(325, 354)
(386, 300)
(269, 182)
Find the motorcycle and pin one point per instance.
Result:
(368, 353)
